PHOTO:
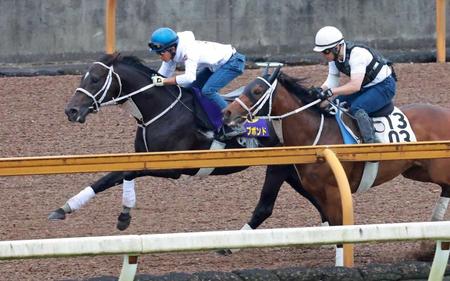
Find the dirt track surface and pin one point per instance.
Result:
(33, 123)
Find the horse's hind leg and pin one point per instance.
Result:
(436, 175)
(442, 204)
(79, 200)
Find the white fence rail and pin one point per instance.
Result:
(132, 245)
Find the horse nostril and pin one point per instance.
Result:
(71, 112)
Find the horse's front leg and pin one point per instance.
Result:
(332, 208)
(129, 194)
(275, 176)
(79, 200)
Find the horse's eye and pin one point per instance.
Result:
(94, 79)
(257, 91)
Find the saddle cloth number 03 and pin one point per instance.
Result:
(394, 128)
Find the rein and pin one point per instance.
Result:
(268, 96)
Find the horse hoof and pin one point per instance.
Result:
(224, 252)
(57, 215)
(123, 221)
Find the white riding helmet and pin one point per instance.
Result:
(327, 37)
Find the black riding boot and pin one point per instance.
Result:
(365, 126)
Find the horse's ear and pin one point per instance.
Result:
(115, 55)
(266, 70)
(274, 74)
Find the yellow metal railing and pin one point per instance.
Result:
(440, 31)
(333, 154)
(218, 158)
(110, 26)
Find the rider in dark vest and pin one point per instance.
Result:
(372, 81)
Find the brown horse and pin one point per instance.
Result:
(285, 94)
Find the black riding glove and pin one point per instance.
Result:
(324, 95)
(314, 91)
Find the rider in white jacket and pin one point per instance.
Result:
(209, 66)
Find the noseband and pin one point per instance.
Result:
(258, 104)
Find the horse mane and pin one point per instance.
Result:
(295, 86)
(133, 61)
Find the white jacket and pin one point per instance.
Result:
(195, 54)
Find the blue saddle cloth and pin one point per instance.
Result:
(347, 137)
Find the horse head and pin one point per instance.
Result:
(105, 82)
(99, 84)
(252, 99)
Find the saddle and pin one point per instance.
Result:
(390, 123)
(208, 115)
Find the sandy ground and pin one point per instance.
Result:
(33, 123)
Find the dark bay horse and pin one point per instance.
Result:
(287, 96)
(166, 122)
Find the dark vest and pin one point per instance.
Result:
(372, 70)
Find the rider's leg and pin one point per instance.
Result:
(222, 77)
(203, 75)
(370, 100)
(219, 79)
(365, 126)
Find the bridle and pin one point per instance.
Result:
(102, 92)
(258, 104)
(133, 109)
(98, 102)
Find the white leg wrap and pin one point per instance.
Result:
(81, 198)
(339, 256)
(245, 227)
(128, 194)
(325, 223)
(440, 208)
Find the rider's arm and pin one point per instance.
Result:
(167, 68)
(351, 87)
(190, 72)
(359, 60)
(184, 79)
(333, 77)
(190, 57)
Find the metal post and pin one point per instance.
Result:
(129, 268)
(110, 26)
(440, 261)
(440, 31)
(346, 199)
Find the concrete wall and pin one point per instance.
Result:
(42, 31)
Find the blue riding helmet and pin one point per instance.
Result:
(162, 38)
